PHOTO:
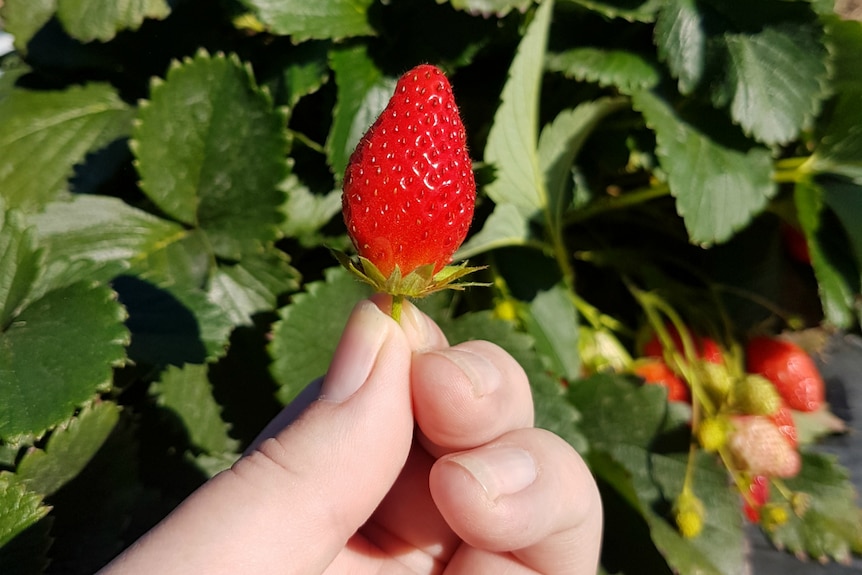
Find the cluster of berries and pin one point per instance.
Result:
(746, 414)
(408, 201)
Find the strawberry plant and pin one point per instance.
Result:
(172, 179)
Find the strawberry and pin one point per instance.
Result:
(706, 348)
(795, 243)
(656, 372)
(761, 449)
(789, 368)
(783, 420)
(409, 189)
(758, 492)
(712, 433)
(755, 395)
(689, 513)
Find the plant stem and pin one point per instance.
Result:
(628, 199)
(308, 142)
(792, 170)
(397, 304)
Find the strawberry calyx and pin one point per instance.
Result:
(419, 283)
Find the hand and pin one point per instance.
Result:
(417, 458)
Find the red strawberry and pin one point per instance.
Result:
(760, 448)
(706, 348)
(795, 243)
(656, 372)
(758, 491)
(409, 190)
(790, 368)
(783, 420)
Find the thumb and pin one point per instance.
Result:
(291, 504)
(343, 454)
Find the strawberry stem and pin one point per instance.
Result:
(397, 304)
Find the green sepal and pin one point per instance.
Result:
(417, 284)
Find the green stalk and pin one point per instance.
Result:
(628, 199)
(397, 304)
(792, 170)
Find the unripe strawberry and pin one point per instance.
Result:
(716, 379)
(409, 189)
(755, 395)
(506, 309)
(689, 513)
(789, 368)
(712, 433)
(656, 372)
(601, 351)
(760, 448)
(800, 502)
(774, 516)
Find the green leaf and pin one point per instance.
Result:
(23, 18)
(844, 37)
(506, 226)
(363, 92)
(837, 292)
(101, 230)
(626, 70)
(631, 10)
(19, 265)
(307, 212)
(46, 133)
(559, 144)
(69, 449)
(19, 508)
(88, 20)
(776, 80)
(681, 41)
(252, 286)
(92, 513)
(57, 353)
(607, 404)
(213, 463)
(306, 70)
(308, 330)
(211, 152)
(553, 323)
(721, 546)
(173, 324)
(622, 420)
(187, 393)
(718, 187)
(845, 199)
(497, 8)
(831, 525)
(513, 138)
(552, 411)
(839, 143)
(186, 263)
(839, 149)
(321, 19)
(27, 553)
(768, 64)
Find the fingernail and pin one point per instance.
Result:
(500, 470)
(417, 327)
(483, 375)
(356, 353)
